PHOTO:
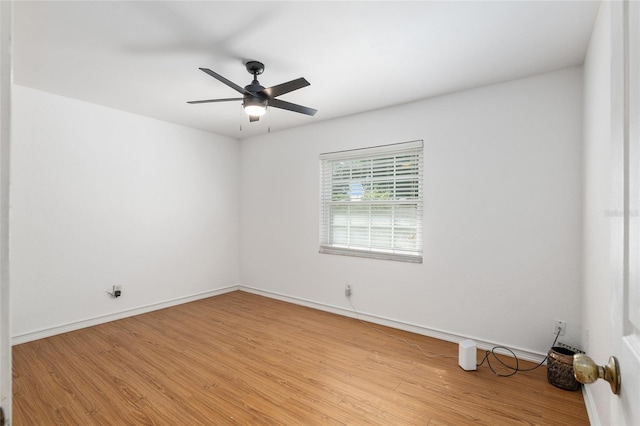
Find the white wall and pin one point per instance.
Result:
(503, 195)
(100, 197)
(103, 197)
(597, 275)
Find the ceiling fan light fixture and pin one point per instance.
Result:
(255, 107)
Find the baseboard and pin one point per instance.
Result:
(590, 404)
(65, 328)
(376, 319)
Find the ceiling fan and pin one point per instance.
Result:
(256, 98)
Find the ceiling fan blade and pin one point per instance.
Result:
(214, 100)
(287, 87)
(277, 103)
(227, 82)
(253, 118)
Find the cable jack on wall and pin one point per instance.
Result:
(115, 292)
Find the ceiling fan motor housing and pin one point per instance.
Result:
(255, 101)
(255, 87)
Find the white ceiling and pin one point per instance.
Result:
(143, 57)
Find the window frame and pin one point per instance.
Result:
(332, 183)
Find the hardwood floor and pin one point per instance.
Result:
(249, 360)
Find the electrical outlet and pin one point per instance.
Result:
(560, 325)
(348, 290)
(115, 292)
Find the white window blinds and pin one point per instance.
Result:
(371, 202)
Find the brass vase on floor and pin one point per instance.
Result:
(560, 368)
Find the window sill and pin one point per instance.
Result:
(399, 257)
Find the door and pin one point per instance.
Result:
(625, 120)
(5, 104)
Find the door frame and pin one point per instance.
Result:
(5, 135)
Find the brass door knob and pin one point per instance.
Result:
(586, 371)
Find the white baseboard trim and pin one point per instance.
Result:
(376, 319)
(65, 328)
(590, 404)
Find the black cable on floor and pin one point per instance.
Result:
(515, 369)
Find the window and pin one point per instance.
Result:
(371, 202)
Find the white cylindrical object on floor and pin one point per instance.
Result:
(468, 355)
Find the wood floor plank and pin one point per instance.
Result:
(242, 359)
